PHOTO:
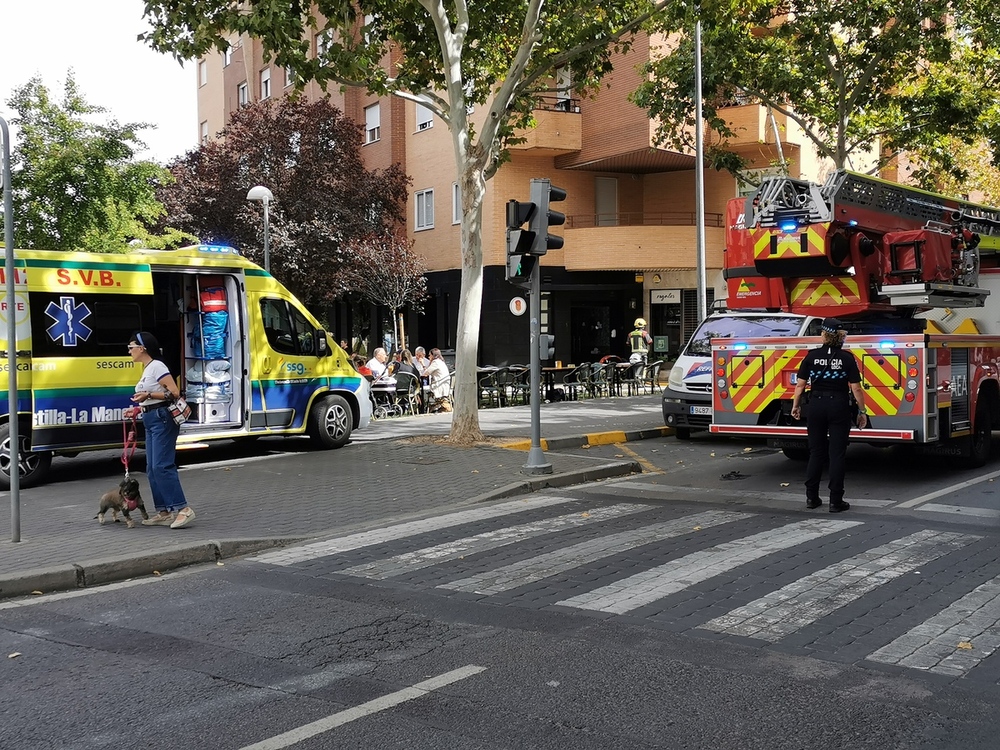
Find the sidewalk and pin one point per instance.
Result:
(285, 493)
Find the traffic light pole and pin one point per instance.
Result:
(536, 463)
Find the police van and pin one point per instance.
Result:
(249, 358)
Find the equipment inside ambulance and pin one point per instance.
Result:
(250, 359)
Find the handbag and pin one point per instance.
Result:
(179, 410)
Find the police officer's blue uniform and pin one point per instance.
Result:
(829, 370)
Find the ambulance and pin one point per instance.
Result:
(249, 358)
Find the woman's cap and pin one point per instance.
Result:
(831, 325)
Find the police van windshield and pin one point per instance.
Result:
(726, 327)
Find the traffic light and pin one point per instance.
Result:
(543, 193)
(546, 346)
(520, 241)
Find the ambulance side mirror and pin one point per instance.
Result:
(322, 350)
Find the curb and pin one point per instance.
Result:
(110, 570)
(592, 438)
(565, 479)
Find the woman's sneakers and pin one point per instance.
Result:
(163, 518)
(184, 517)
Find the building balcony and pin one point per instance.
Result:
(558, 129)
(636, 247)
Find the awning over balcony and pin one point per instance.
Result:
(641, 161)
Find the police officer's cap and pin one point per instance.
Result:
(831, 325)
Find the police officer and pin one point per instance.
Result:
(832, 375)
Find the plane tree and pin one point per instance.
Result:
(477, 66)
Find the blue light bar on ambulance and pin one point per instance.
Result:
(788, 226)
(218, 249)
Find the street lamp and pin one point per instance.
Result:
(265, 196)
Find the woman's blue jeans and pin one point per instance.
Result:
(161, 460)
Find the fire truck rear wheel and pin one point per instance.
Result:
(982, 437)
(34, 465)
(796, 454)
(682, 433)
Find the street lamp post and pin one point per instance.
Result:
(265, 196)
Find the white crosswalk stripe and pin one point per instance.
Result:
(567, 558)
(293, 555)
(803, 602)
(953, 641)
(646, 587)
(424, 558)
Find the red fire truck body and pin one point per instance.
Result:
(909, 273)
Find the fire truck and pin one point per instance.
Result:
(910, 275)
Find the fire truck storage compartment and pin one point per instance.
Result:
(208, 349)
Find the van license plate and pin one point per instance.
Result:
(706, 410)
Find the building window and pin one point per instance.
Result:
(243, 94)
(227, 56)
(289, 77)
(204, 131)
(202, 72)
(265, 83)
(425, 118)
(425, 209)
(373, 123)
(323, 40)
(456, 204)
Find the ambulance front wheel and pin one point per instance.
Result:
(33, 466)
(330, 422)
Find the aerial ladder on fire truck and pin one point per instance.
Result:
(893, 263)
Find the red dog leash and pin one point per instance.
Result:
(129, 441)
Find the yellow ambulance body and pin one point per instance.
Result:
(250, 359)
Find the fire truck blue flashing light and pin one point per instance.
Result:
(739, 347)
(852, 223)
(886, 344)
(789, 226)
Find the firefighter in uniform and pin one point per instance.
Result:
(639, 341)
(832, 375)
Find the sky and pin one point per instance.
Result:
(97, 39)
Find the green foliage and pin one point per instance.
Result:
(75, 181)
(852, 75)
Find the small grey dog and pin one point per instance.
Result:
(126, 498)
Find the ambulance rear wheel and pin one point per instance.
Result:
(330, 422)
(982, 437)
(33, 466)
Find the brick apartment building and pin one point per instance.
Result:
(630, 234)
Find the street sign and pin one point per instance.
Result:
(518, 306)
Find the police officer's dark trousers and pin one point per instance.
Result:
(828, 422)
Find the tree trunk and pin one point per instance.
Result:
(401, 341)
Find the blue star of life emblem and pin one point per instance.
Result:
(69, 325)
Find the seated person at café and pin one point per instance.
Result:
(359, 364)
(406, 364)
(420, 358)
(377, 364)
(440, 383)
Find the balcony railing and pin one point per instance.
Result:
(557, 103)
(663, 219)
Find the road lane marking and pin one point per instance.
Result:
(568, 558)
(913, 502)
(959, 510)
(470, 545)
(808, 599)
(294, 736)
(292, 555)
(647, 466)
(646, 587)
(671, 492)
(954, 640)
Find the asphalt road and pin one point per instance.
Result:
(697, 606)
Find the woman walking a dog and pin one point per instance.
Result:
(154, 392)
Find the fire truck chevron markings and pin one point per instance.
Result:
(643, 588)
(563, 560)
(806, 600)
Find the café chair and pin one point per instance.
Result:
(576, 380)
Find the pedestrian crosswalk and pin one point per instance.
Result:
(753, 575)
